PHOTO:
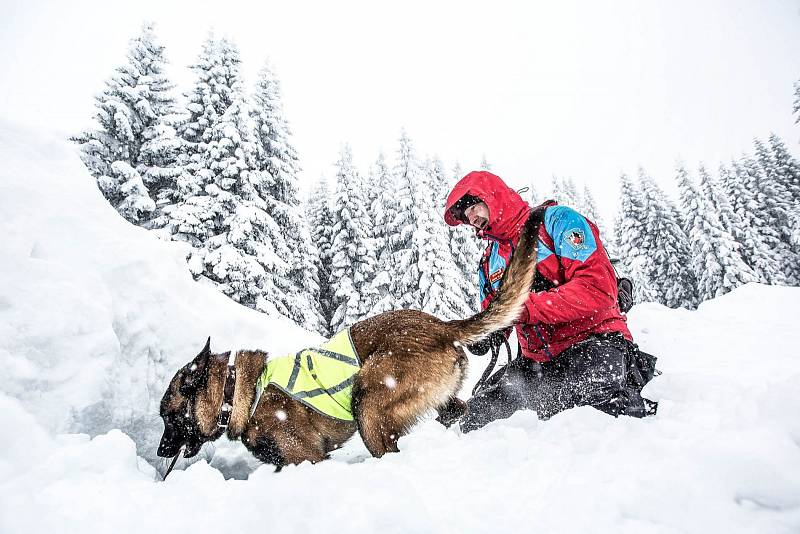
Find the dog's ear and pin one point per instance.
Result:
(196, 372)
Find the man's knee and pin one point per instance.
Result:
(597, 377)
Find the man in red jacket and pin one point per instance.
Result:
(575, 344)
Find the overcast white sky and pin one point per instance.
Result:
(581, 89)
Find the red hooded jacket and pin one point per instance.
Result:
(571, 261)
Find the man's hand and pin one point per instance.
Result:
(495, 339)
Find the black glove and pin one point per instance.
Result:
(495, 339)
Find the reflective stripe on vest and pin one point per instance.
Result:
(321, 378)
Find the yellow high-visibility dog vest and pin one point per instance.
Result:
(321, 378)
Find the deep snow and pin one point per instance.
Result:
(96, 315)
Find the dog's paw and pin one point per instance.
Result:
(451, 412)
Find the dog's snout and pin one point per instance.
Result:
(168, 447)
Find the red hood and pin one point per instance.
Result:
(507, 210)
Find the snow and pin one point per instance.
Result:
(96, 314)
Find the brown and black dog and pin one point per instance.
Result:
(422, 354)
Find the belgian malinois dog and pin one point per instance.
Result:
(216, 394)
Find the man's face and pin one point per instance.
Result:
(477, 215)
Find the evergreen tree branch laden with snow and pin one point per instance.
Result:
(445, 292)
(665, 248)
(715, 258)
(321, 224)
(132, 153)
(629, 233)
(796, 109)
(278, 162)
(353, 257)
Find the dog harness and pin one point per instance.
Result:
(321, 378)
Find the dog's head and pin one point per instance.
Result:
(184, 408)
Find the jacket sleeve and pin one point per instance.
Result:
(590, 283)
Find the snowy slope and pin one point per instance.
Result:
(96, 314)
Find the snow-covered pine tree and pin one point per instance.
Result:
(273, 137)
(565, 192)
(556, 190)
(628, 237)
(795, 237)
(277, 158)
(787, 168)
(485, 165)
(246, 256)
(570, 195)
(378, 192)
(780, 205)
(717, 199)
(217, 82)
(321, 223)
(132, 152)
(403, 220)
(465, 248)
(369, 295)
(796, 109)
(383, 210)
(777, 190)
(192, 217)
(444, 291)
(738, 211)
(353, 266)
(666, 248)
(590, 209)
(456, 173)
(438, 183)
(534, 198)
(135, 201)
(217, 85)
(755, 206)
(715, 258)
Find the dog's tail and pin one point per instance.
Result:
(507, 306)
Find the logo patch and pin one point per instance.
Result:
(576, 239)
(495, 276)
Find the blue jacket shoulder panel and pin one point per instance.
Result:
(496, 268)
(571, 233)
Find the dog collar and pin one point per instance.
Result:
(228, 391)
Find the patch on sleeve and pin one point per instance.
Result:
(497, 275)
(576, 238)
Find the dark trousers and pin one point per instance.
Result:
(593, 372)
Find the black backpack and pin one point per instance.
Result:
(624, 293)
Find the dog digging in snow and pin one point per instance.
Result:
(378, 378)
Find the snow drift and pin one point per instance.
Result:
(96, 314)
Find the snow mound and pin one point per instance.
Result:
(95, 315)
